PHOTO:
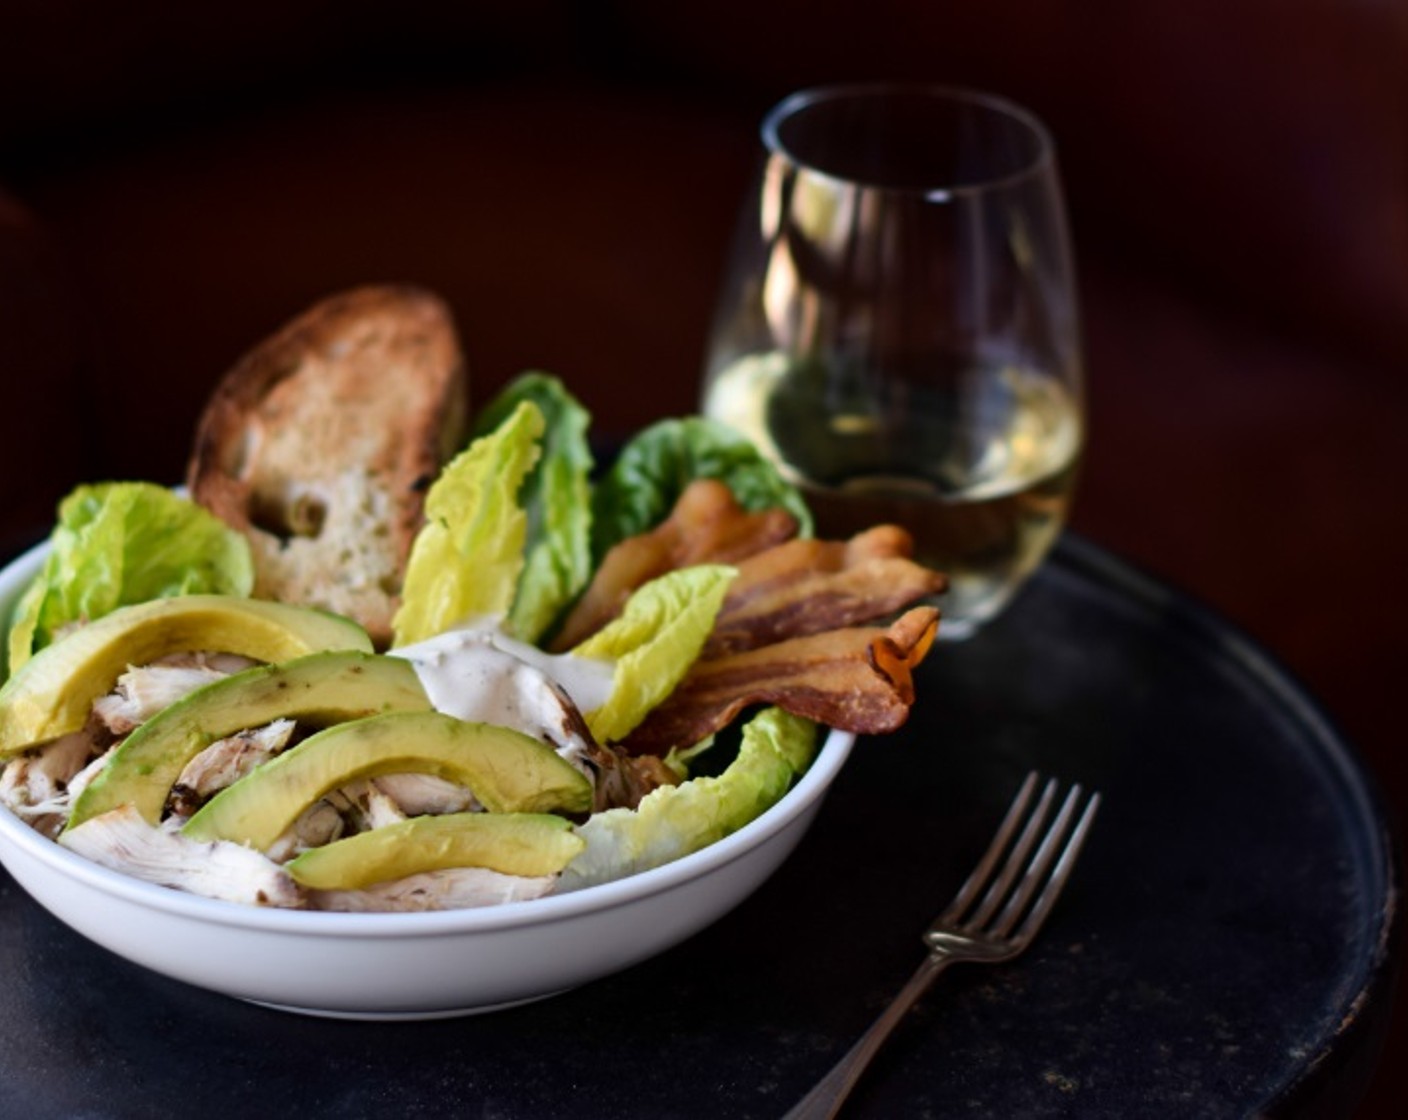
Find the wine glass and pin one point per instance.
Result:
(898, 328)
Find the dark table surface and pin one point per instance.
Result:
(1226, 947)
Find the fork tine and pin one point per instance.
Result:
(1015, 860)
(983, 872)
(1046, 901)
(1036, 871)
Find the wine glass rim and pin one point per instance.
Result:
(1040, 163)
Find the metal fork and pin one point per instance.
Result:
(991, 919)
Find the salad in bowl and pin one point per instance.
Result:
(541, 680)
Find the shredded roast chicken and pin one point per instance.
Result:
(449, 889)
(225, 762)
(123, 841)
(37, 786)
(415, 795)
(321, 823)
(144, 690)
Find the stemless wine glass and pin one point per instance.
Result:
(898, 328)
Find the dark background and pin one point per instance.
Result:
(177, 180)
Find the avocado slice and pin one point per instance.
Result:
(52, 693)
(508, 772)
(510, 843)
(322, 688)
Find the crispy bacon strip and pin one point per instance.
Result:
(807, 586)
(706, 526)
(857, 679)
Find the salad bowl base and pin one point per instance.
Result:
(411, 1016)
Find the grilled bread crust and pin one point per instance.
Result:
(319, 444)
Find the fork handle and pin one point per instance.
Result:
(827, 1096)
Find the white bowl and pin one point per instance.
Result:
(407, 966)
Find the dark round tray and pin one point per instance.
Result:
(1224, 949)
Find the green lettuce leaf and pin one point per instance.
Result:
(466, 559)
(556, 496)
(674, 821)
(641, 487)
(119, 543)
(653, 642)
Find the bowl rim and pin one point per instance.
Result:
(509, 915)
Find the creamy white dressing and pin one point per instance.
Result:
(478, 673)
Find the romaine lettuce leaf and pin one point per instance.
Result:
(674, 821)
(556, 496)
(641, 487)
(653, 642)
(466, 559)
(119, 543)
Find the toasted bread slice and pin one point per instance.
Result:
(319, 444)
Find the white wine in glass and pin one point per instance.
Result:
(898, 328)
